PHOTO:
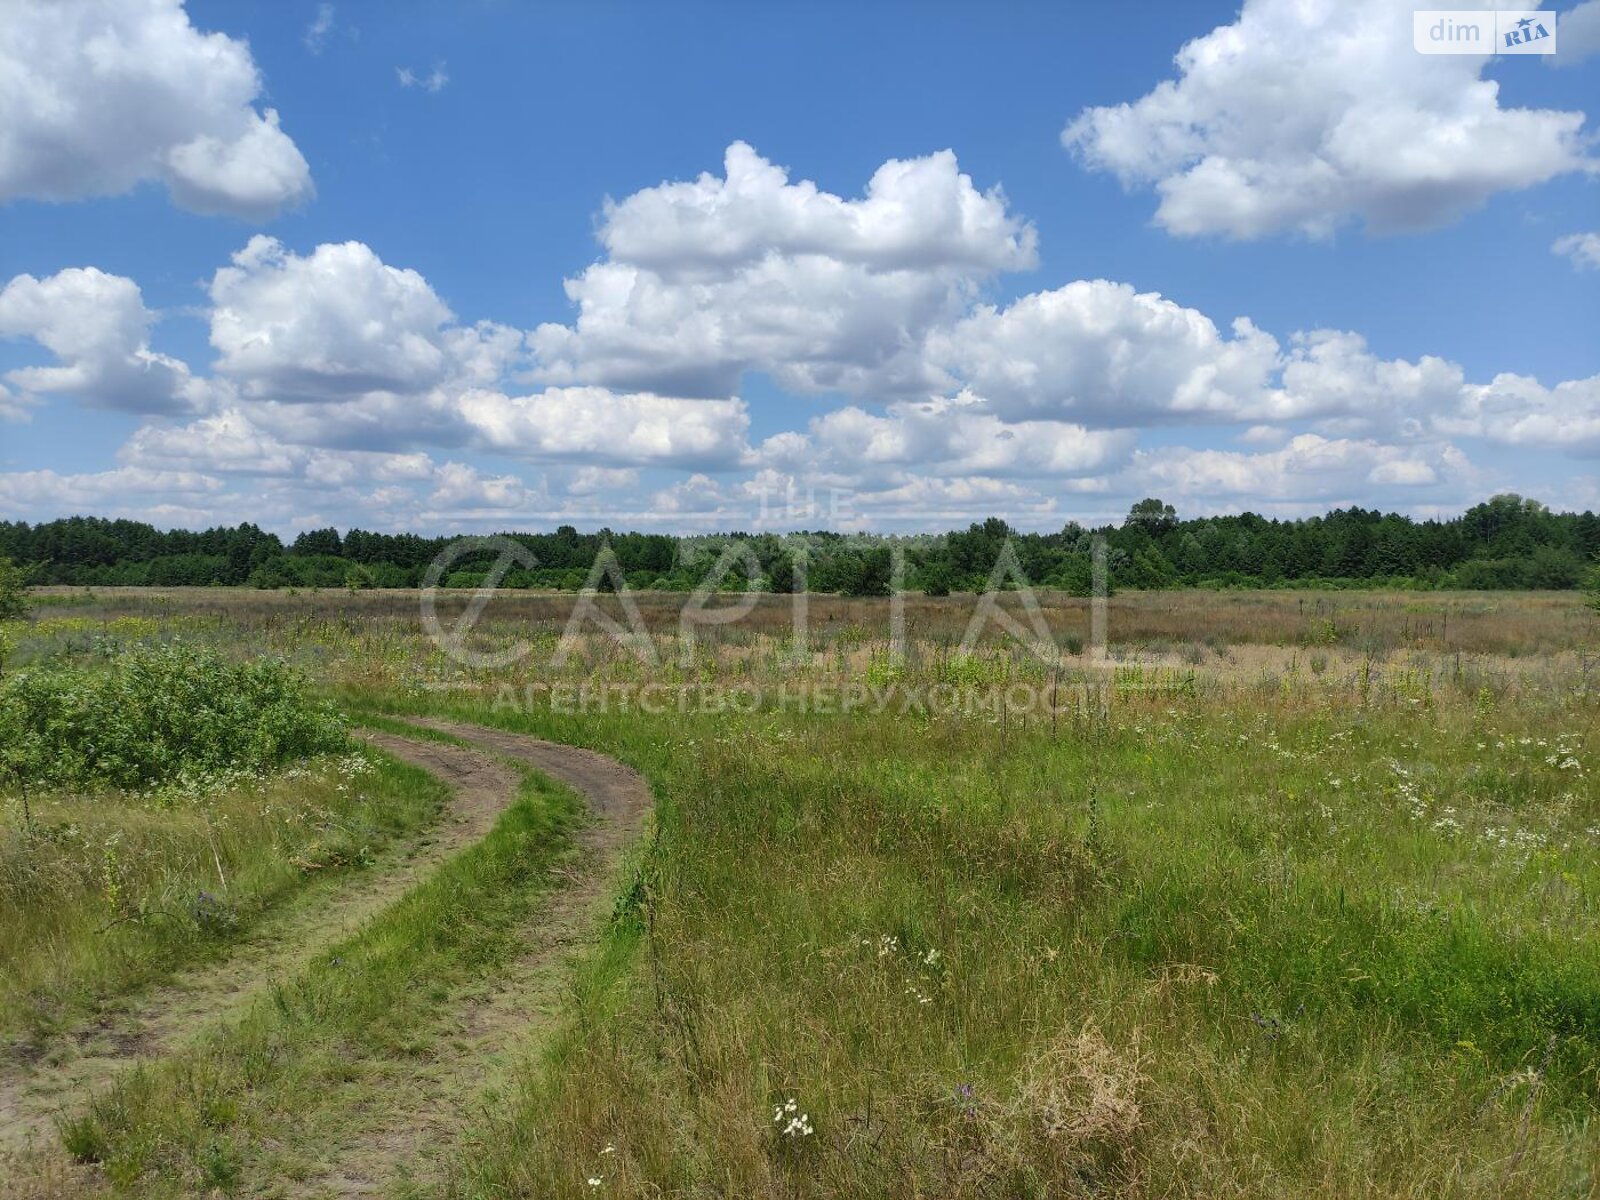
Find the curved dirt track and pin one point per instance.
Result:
(36, 1089)
(416, 1134)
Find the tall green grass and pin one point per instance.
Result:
(100, 895)
(1199, 949)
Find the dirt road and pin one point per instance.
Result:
(413, 1133)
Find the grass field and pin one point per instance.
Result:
(1293, 895)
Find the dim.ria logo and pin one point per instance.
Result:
(1484, 31)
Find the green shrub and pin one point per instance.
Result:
(154, 713)
(936, 578)
(14, 582)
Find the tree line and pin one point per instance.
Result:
(1507, 542)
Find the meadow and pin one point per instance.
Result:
(1289, 895)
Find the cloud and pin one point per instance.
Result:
(53, 493)
(590, 481)
(1264, 435)
(1516, 410)
(1309, 468)
(1100, 353)
(606, 428)
(1582, 248)
(432, 83)
(229, 444)
(947, 438)
(338, 350)
(250, 175)
(706, 281)
(699, 494)
(917, 214)
(334, 369)
(604, 431)
(102, 95)
(224, 442)
(1577, 34)
(1103, 356)
(1306, 114)
(339, 377)
(778, 500)
(316, 34)
(936, 503)
(98, 328)
(13, 407)
(1331, 374)
(338, 323)
(462, 486)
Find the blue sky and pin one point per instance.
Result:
(1418, 255)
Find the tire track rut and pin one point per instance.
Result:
(416, 1134)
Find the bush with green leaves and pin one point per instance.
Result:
(14, 581)
(156, 713)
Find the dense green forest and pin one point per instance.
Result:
(1507, 542)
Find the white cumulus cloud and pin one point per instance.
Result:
(223, 442)
(1332, 374)
(708, 280)
(50, 493)
(461, 486)
(603, 427)
(917, 214)
(97, 326)
(1306, 114)
(591, 481)
(340, 322)
(101, 95)
(944, 437)
(1309, 468)
(1516, 410)
(1100, 353)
